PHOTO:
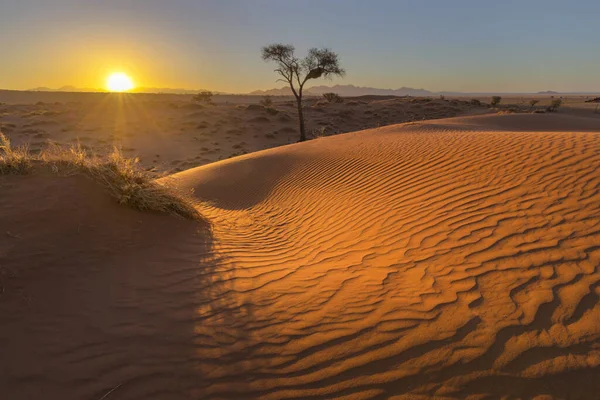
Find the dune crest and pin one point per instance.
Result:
(449, 259)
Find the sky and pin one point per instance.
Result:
(439, 45)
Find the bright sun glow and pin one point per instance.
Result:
(119, 82)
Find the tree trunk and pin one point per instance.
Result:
(301, 119)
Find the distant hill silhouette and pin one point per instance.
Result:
(342, 90)
(345, 91)
(69, 88)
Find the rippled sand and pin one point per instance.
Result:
(452, 259)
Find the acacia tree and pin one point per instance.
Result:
(296, 72)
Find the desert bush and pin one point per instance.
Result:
(332, 97)
(495, 101)
(319, 132)
(475, 102)
(266, 101)
(442, 97)
(554, 105)
(533, 102)
(13, 160)
(203, 97)
(124, 179)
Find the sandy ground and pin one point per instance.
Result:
(444, 259)
(170, 133)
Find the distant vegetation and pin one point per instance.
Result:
(533, 102)
(124, 179)
(554, 105)
(266, 101)
(319, 63)
(332, 97)
(203, 97)
(319, 132)
(495, 101)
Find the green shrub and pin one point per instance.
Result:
(203, 97)
(266, 101)
(554, 105)
(332, 97)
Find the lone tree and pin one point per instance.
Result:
(296, 72)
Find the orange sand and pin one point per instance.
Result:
(445, 259)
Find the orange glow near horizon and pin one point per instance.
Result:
(119, 82)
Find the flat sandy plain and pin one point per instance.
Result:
(170, 133)
(435, 259)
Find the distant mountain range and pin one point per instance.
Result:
(69, 88)
(345, 91)
(342, 90)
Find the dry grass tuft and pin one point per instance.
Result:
(13, 161)
(123, 177)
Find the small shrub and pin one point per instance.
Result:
(442, 97)
(319, 132)
(495, 101)
(266, 101)
(475, 102)
(203, 97)
(533, 102)
(332, 97)
(125, 180)
(554, 105)
(13, 161)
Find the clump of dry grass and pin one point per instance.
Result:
(13, 160)
(123, 177)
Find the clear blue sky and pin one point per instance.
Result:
(462, 45)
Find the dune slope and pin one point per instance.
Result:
(442, 258)
(449, 259)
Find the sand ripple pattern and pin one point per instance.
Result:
(437, 260)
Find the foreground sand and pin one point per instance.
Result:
(455, 258)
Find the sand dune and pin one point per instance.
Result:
(455, 258)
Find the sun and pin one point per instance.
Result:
(119, 82)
